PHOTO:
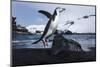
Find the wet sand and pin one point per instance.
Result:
(24, 57)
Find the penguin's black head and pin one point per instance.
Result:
(59, 9)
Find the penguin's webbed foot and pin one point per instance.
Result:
(45, 43)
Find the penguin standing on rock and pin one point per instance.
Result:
(51, 25)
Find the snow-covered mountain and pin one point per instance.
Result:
(34, 28)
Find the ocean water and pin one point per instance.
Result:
(25, 41)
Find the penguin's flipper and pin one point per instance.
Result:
(36, 41)
(47, 14)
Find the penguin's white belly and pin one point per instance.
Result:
(53, 26)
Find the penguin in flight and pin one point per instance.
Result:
(69, 23)
(51, 26)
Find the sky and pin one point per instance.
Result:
(27, 14)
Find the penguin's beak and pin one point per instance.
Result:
(63, 9)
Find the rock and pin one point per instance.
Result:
(62, 44)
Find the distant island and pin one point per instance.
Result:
(18, 28)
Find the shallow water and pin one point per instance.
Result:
(25, 41)
(85, 41)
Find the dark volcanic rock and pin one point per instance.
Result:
(62, 44)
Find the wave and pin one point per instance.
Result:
(17, 41)
(19, 44)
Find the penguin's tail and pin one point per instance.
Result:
(41, 38)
